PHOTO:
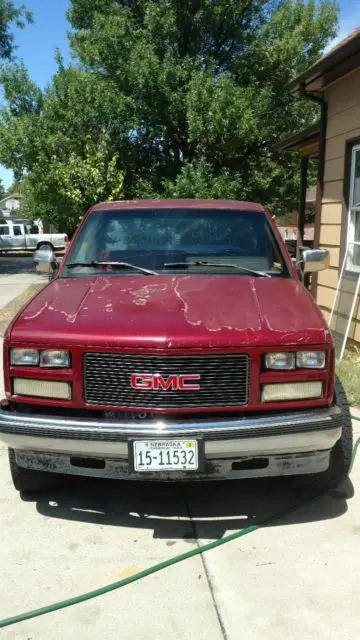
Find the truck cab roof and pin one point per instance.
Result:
(178, 204)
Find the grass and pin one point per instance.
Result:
(7, 313)
(348, 371)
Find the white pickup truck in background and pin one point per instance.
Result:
(16, 236)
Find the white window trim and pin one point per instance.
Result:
(351, 228)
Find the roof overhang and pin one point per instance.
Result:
(305, 142)
(340, 61)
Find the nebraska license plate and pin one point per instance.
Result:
(166, 455)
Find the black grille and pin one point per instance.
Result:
(224, 380)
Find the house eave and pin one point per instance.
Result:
(340, 61)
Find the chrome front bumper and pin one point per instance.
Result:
(284, 444)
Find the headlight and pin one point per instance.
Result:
(42, 388)
(289, 360)
(24, 357)
(283, 391)
(50, 358)
(280, 361)
(55, 358)
(310, 359)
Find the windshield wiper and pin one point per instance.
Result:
(203, 263)
(116, 265)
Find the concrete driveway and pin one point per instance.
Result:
(17, 273)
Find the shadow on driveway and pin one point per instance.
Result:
(10, 264)
(189, 510)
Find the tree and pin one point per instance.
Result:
(185, 98)
(59, 141)
(207, 81)
(76, 183)
(10, 14)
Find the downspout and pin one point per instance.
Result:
(304, 164)
(320, 100)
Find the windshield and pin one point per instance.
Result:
(158, 238)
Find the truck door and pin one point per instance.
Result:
(30, 236)
(17, 240)
(4, 237)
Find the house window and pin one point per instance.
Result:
(354, 212)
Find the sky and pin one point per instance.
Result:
(36, 45)
(37, 42)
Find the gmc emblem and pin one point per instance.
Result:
(156, 381)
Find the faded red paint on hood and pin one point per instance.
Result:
(172, 311)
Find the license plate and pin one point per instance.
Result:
(166, 455)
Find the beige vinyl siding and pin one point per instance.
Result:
(334, 257)
(328, 278)
(334, 167)
(330, 234)
(336, 145)
(331, 213)
(343, 123)
(344, 94)
(333, 191)
(325, 297)
(325, 300)
(326, 294)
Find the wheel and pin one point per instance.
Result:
(45, 244)
(27, 480)
(340, 457)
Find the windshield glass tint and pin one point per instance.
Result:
(152, 237)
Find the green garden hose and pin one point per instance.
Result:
(355, 447)
(161, 565)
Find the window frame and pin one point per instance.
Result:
(349, 183)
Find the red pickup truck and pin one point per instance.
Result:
(174, 341)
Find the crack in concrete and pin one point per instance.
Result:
(207, 573)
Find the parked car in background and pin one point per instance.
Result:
(175, 341)
(26, 237)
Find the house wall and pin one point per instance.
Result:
(8, 205)
(343, 98)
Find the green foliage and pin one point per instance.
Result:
(181, 98)
(16, 187)
(348, 371)
(2, 190)
(9, 14)
(77, 182)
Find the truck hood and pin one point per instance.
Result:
(168, 311)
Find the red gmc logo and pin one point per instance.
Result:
(156, 381)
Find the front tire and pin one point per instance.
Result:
(341, 454)
(29, 480)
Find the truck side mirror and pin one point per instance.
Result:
(316, 260)
(45, 260)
